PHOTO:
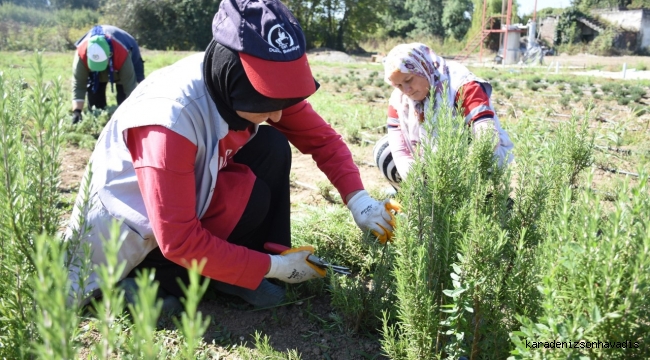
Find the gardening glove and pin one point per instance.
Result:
(76, 116)
(292, 266)
(486, 127)
(373, 215)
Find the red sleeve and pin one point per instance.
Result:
(392, 113)
(120, 54)
(164, 164)
(393, 118)
(308, 132)
(476, 103)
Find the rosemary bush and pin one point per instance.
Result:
(38, 317)
(360, 299)
(30, 126)
(55, 321)
(470, 260)
(594, 281)
(448, 274)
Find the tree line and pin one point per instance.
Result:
(335, 24)
(586, 5)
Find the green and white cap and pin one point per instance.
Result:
(97, 53)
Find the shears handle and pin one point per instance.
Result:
(279, 249)
(313, 259)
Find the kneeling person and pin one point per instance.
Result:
(185, 164)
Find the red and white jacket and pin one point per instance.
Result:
(162, 157)
(405, 134)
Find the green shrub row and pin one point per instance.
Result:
(36, 316)
(24, 28)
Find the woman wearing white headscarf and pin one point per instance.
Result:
(414, 70)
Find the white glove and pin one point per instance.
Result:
(486, 127)
(373, 215)
(292, 266)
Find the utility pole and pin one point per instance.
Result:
(503, 11)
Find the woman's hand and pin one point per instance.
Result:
(486, 127)
(373, 215)
(292, 266)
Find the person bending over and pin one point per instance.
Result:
(196, 162)
(104, 54)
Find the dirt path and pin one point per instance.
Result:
(610, 63)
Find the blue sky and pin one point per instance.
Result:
(526, 6)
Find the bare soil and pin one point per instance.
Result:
(305, 326)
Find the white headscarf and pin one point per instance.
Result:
(418, 59)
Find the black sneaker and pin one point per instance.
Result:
(266, 295)
(171, 304)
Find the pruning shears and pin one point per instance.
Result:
(279, 249)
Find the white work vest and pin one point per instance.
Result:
(174, 97)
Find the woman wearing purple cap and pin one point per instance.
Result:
(187, 168)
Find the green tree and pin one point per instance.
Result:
(165, 24)
(456, 18)
(438, 18)
(305, 12)
(25, 3)
(337, 24)
(74, 4)
(586, 5)
(426, 16)
(566, 31)
(360, 17)
(396, 20)
(639, 4)
(332, 11)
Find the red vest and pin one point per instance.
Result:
(119, 52)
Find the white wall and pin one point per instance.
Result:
(645, 30)
(628, 19)
(633, 20)
(547, 29)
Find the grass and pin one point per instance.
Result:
(59, 64)
(557, 199)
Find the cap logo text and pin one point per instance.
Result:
(280, 40)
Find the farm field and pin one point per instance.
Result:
(535, 105)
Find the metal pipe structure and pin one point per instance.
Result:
(480, 53)
(503, 11)
(532, 30)
(505, 40)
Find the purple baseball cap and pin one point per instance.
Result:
(270, 43)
